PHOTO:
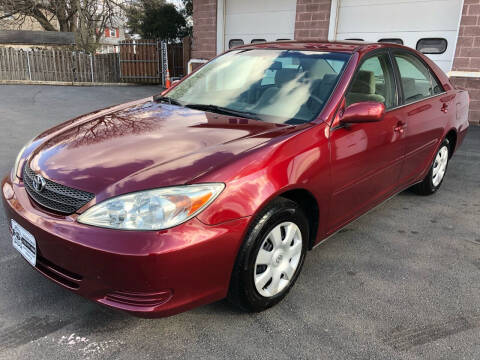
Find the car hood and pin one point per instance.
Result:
(143, 145)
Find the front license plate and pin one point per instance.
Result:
(24, 242)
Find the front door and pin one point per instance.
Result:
(367, 157)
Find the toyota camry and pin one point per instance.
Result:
(219, 186)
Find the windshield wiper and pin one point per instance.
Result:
(167, 100)
(223, 110)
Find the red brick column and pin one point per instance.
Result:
(473, 87)
(312, 19)
(204, 45)
(467, 55)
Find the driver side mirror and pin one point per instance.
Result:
(363, 112)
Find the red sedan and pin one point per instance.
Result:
(220, 186)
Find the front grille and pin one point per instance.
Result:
(56, 197)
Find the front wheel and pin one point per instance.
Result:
(437, 172)
(271, 257)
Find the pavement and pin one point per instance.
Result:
(402, 282)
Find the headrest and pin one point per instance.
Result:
(276, 65)
(329, 78)
(325, 82)
(285, 75)
(319, 69)
(364, 82)
(409, 88)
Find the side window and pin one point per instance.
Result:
(417, 80)
(373, 81)
(437, 88)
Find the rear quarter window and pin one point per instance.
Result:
(418, 80)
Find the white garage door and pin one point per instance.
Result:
(258, 20)
(408, 20)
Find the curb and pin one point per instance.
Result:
(66, 83)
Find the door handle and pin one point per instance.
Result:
(444, 108)
(400, 127)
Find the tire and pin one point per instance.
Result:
(248, 289)
(432, 182)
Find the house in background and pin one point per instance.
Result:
(448, 31)
(110, 39)
(30, 35)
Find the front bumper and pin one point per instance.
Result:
(147, 273)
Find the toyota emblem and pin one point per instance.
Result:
(38, 183)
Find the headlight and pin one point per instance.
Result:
(17, 160)
(152, 209)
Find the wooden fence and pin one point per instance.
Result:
(175, 60)
(58, 65)
(138, 61)
(141, 60)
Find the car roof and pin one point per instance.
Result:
(347, 46)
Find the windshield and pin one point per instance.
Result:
(280, 86)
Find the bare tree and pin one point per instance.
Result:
(88, 19)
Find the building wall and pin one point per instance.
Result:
(467, 56)
(205, 29)
(473, 87)
(312, 23)
(312, 19)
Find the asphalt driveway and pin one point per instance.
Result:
(402, 282)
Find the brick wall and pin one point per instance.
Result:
(467, 55)
(204, 29)
(473, 87)
(312, 19)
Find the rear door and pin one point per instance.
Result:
(367, 158)
(426, 108)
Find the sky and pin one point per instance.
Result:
(178, 3)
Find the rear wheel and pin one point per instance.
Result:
(435, 176)
(271, 257)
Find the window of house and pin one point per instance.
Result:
(113, 32)
(373, 81)
(432, 45)
(235, 42)
(391, 41)
(418, 82)
(256, 41)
